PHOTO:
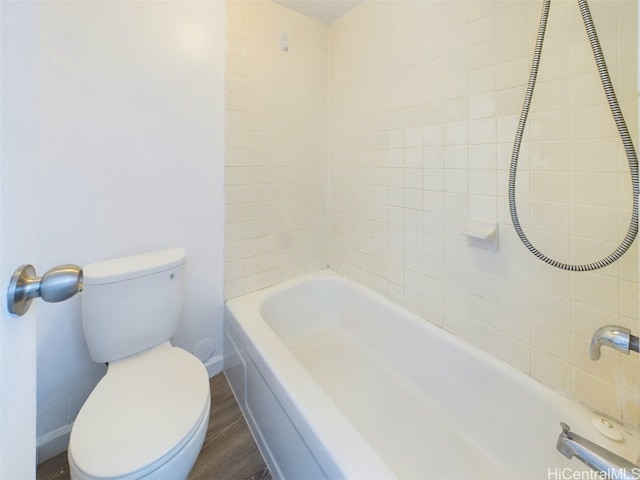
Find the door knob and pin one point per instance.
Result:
(58, 284)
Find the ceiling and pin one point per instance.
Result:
(325, 11)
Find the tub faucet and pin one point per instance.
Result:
(598, 458)
(614, 336)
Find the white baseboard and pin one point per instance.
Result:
(214, 365)
(51, 444)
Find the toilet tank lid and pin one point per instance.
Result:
(126, 268)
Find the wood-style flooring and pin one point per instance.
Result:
(229, 451)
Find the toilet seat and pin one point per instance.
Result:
(143, 411)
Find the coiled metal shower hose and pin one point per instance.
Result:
(622, 130)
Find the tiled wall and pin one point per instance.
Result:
(276, 146)
(424, 102)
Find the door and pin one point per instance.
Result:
(18, 245)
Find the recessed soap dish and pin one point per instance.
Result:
(482, 233)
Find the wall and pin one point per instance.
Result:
(130, 159)
(276, 144)
(424, 102)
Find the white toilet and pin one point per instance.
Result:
(148, 415)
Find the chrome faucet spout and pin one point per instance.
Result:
(598, 458)
(613, 336)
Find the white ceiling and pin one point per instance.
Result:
(326, 11)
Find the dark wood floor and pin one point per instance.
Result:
(229, 451)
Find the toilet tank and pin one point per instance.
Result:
(131, 304)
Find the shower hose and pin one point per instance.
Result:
(622, 130)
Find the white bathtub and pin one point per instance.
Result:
(335, 381)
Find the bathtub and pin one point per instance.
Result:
(335, 381)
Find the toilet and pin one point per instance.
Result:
(147, 417)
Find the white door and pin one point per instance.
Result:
(18, 245)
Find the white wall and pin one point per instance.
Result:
(276, 129)
(424, 102)
(130, 159)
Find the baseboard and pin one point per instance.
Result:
(51, 444)
(214, 365)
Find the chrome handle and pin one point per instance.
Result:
(58, 284)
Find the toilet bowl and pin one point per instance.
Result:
(148, 416)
